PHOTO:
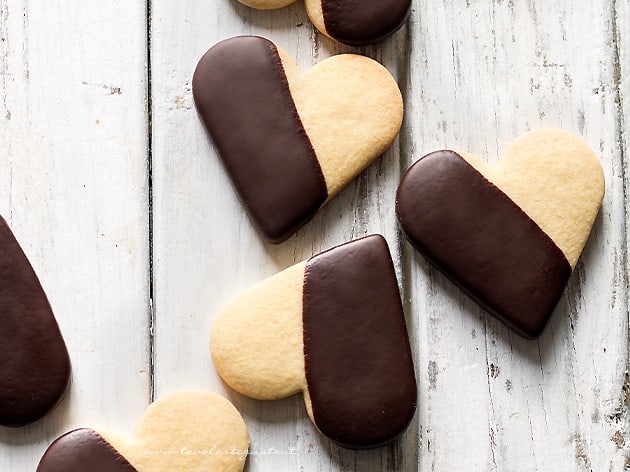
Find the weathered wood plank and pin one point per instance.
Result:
(482, 73)
(74, 186)
(73, 114)
(620, 419)
(206, 250)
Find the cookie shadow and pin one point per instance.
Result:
(290, 413)
(388, 458)
(563, 318)
(531, 351)
(267, 420)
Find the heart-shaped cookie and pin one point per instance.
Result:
(352, 22)
(332, 328)
(188, 431)
(509, 236)
(34, 363)
(291, 141)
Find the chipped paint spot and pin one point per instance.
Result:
(111, 90)
(618, 439)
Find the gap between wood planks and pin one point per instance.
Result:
(150, 204)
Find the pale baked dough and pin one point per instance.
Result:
(351, 109)
(257, 342)
(556, 179)
(188, 431)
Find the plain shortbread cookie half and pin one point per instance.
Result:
(333, 329)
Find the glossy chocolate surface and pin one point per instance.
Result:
(482, 240)
(360, 22)
(83, 450)
(359, 367)
(243, 98)
(34, 363)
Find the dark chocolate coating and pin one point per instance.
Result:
(83, 450)
(358, 360)
(480, 239)
(34, 363)
(243, 98)
(360, 22)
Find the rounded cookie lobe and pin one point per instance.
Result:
(566, 201)
(242, 95)
(351, 108)
(358, 22)
(34, 362)
(83, 450)
(482, 240)
(359, 369)
(190, 431)
(256, 341)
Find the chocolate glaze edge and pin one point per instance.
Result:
(506, 321)
(347, 22)
(259, 135)
(342, 407)
(34, 351)
(81, 450)
(562, 275)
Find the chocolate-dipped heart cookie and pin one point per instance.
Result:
(187, 431)
(34, 363)
(509, 236)
(291, 141)
(352, 22)
(333, 328)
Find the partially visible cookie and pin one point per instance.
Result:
(332, 328)
(188, 431)
(358, 22)
(352, 22)
(292, 141)
(34, 362)
(509, 236)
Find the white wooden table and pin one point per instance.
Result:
(115, 192)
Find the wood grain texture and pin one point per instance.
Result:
(74, 187)
(621, 32)
(75, 179)
(482, 73)
(205, 247)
